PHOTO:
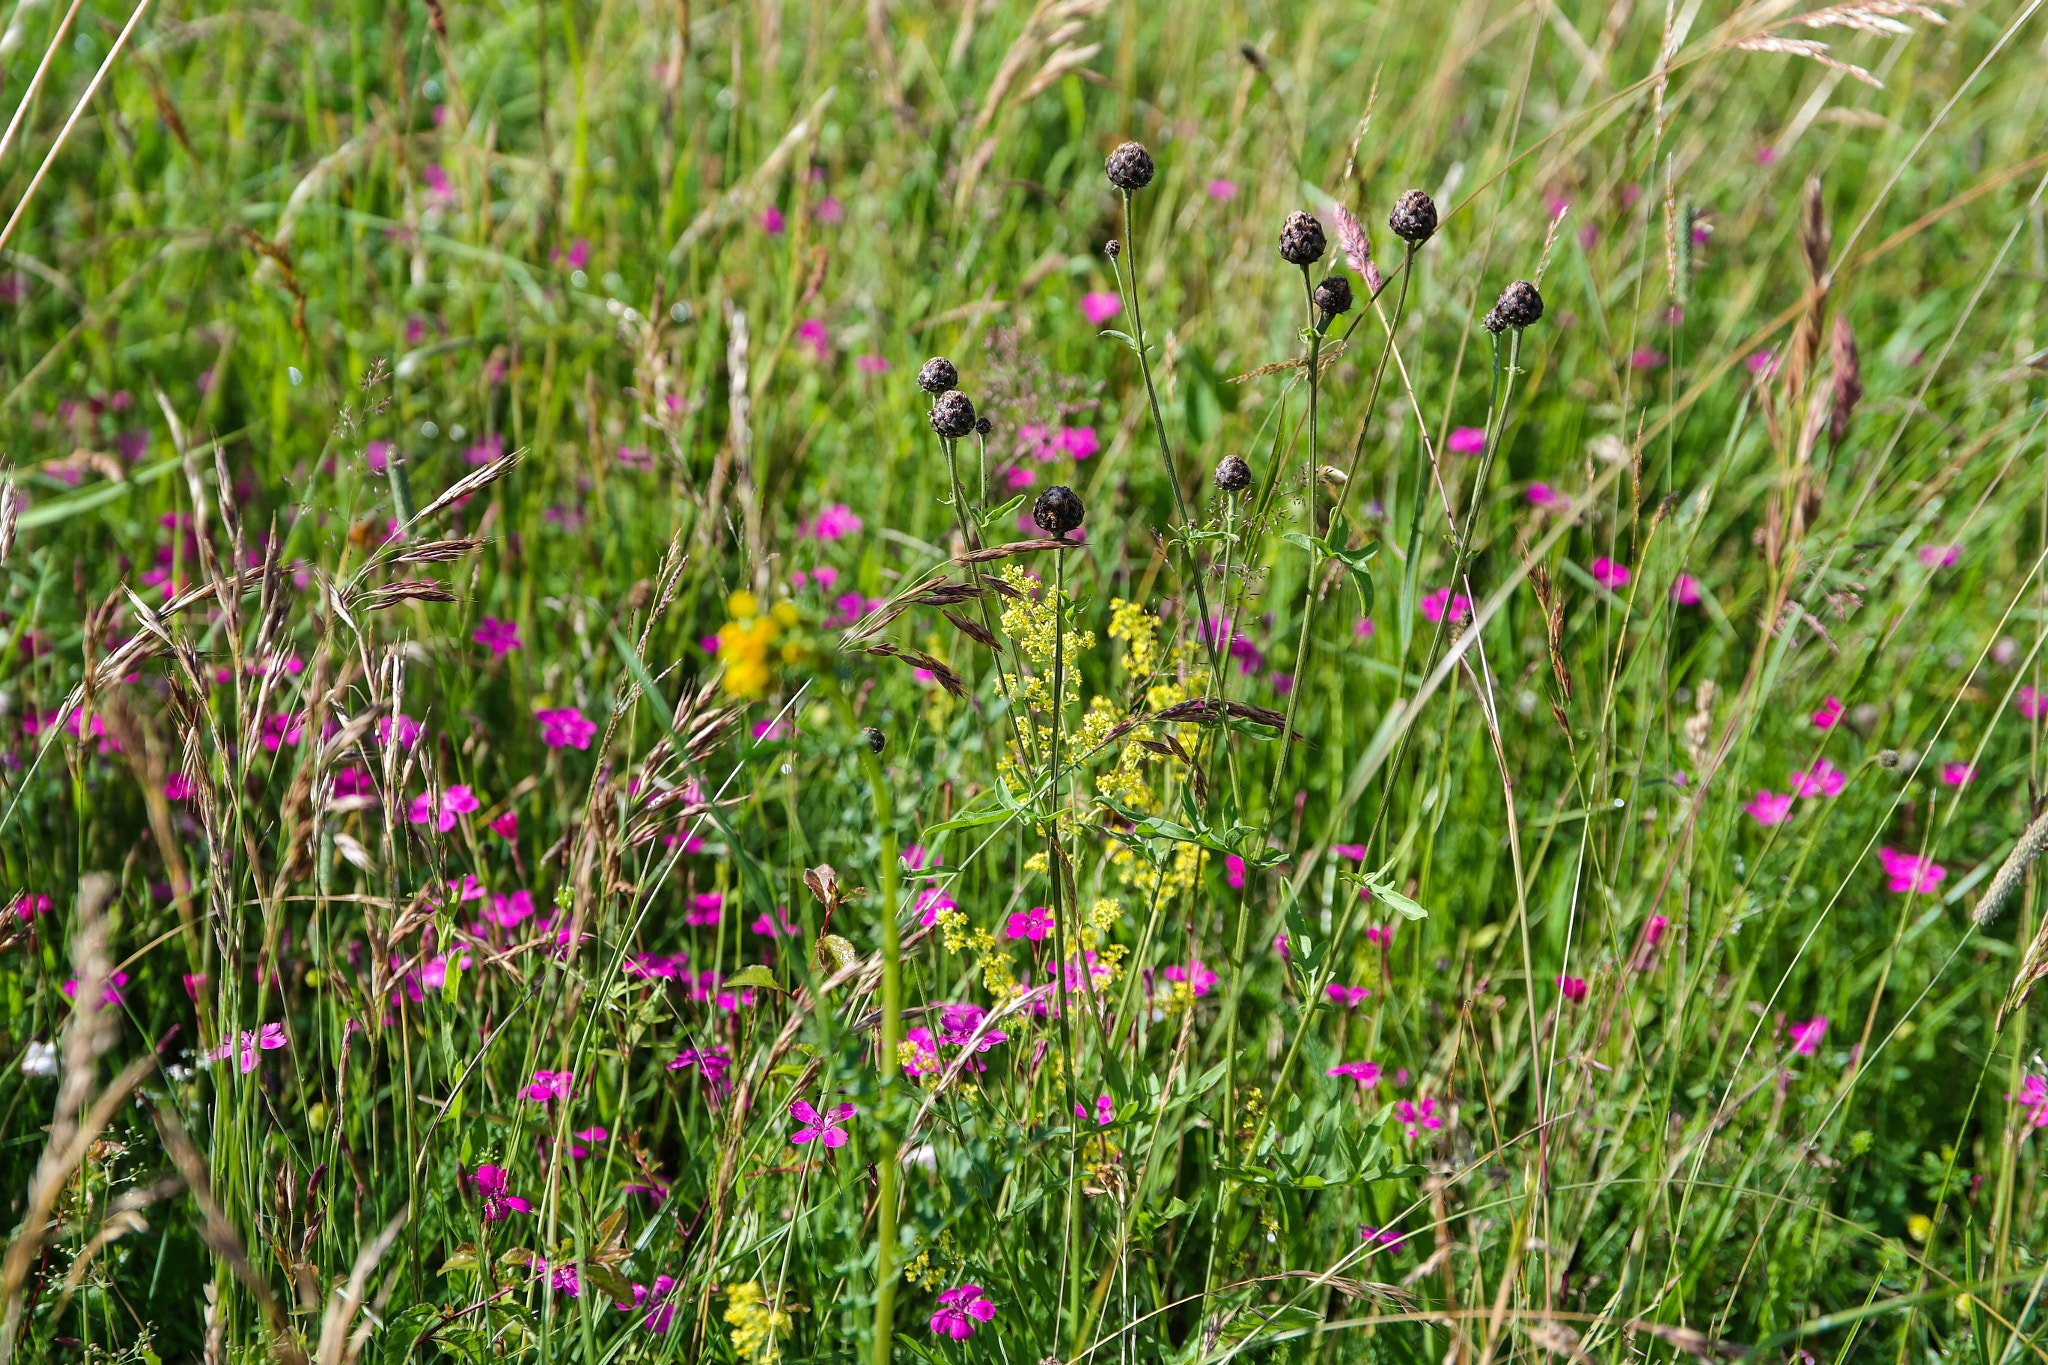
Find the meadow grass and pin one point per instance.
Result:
(556, 808)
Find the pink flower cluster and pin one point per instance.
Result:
(1910, 874)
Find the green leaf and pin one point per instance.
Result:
(1253, 1322)
(1382, 888)
(754, 976)
(996, 514)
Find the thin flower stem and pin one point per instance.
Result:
(1070, 1290)
(1308, 591)
(1180, 504)
(970, 535)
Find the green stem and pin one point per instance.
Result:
(1308, 591)
(1070, 1289)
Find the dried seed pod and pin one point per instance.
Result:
(1129, 167)
(1520, 304)
(1058, 510)
(875, 739)
(983, 426)
(1233, 475)
(1301, 239)
(953, 415)
(1333, 297)
(1414, 217)
(937, 375)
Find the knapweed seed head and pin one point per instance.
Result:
(937, 375)
(1333, 297)
(1494, 322)
(1233, 475)
(875, 739)
(1058, 510)
(1520, 305)
(953, 415)
(1129, 167)
(982, 426)
(1414, 217)
(1113, 248)
(1301, 239)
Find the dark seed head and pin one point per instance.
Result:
(937, 375)
(1233, 475)
(953, 415)
(1414, 217)
(1333, 296)
(1113, 249)
(1493, 322)
(1058, 510)
(983, 426)
(1887, 758)
(875, 739)
(1520, 304)
(1129, 167)
(1301, 239)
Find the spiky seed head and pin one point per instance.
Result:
(1058, 510)
(1887, 758)
(1301, 239)
(1520, 305)
(1113, 249)
(1414, 217)
(1129, 167)
(1493, 322)
(937, 375)
(875, 739)
(953, 415)
(1333, 296)
(1233, 475)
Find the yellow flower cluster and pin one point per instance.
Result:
(1167, 882)
(1139, 630)
(755, 1323)
(997, 973)
(1030, 623)
(744, 643)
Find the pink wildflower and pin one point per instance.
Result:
(826, 1128)
(1574, 988)
(929, 902)
(1762, 364)
(1079, 442)
(1105, 1110)
(270, 1037)
(549, 1085)
(870, 364)
(1609, 574)
(1466, 440)
(2030, 703)
(811, 332)
(1367, 1074)
(2034, 1095)
(178, 787)
(1223, 191)
(1100, 306)
(565, 727)
(493, 1183)
(1806, 1037)
(1435, 604)
(1646, 359)
(499, 637)
(1940, 556)
(703, 908)
(455, 801)
(1830, 712)
(110, 994)
(1416, 1115)
(959, 1310)
(1768, 809)
(1686, 590)
(772, 221)
(1033, 924)
(1910, 874)
(1543, 495)
(1196, 975)
(1957, 774)
(1822, 779)
(1348, 996)
(506, 826)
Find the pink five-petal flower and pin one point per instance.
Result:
(499, 637)
(493, 1183)
(1769, 809)
(1105, 1110)
(1195, 975)
(959, 1310)
(1416, 1115)
(1822, 779)
(549, 1085)
(1910, 874)
(1830, 711)
(1806, 1037)
(1608, 574)
(1436, 603)
(1033, 924)
(826, 1128)
(1367, 1074)
(565, 728)
(1466, 440)
(1099, 306)
(1574, 988)
(1957, 774)
(2034, 1095)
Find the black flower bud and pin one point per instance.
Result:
(937, 375)
(1414, 217)
(1520, 304)
(875, 739)
(1113, 249)
(1301, 239)
(1493, 322)
(953, 415)
(1129, 167)
(983, 426)
(1058, 510)
(1233, 475)
(1333, 296)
